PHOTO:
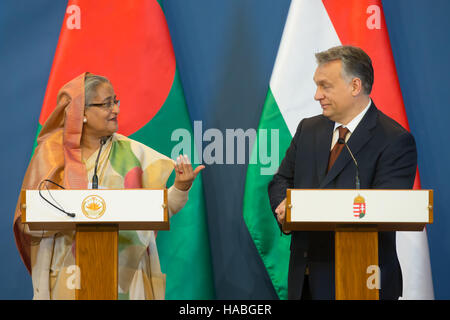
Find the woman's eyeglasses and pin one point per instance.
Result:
(108, 105)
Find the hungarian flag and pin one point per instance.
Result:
(129, 43)
(314, 26)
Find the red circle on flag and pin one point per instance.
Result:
(126, 41)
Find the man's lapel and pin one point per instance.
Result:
(362, 134)
(323, 144)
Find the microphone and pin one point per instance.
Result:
(95, 177)
(357, 182)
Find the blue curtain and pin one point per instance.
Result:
(225, 52)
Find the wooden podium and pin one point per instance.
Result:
(99, 215)
(356, 216)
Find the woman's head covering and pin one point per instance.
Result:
(57, 156)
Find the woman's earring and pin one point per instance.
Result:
(84, 120)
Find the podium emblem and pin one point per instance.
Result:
(359, 207)
(93, 207)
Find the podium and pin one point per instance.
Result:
(356, 217)
(98, 217)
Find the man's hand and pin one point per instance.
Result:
(281, 211)
(184, 173)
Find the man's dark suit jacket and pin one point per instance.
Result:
(387, 158)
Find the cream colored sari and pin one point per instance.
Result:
(123, 163)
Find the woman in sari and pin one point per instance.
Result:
(68, 145)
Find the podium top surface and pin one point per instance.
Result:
(381, 210)
(130, 209)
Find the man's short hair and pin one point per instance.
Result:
(355, 63)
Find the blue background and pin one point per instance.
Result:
(225, 52)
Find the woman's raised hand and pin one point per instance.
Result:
(185, 175)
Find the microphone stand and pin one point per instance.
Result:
(357, 182)
(95, 177)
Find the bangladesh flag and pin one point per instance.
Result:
(129, 43)
(314, 26)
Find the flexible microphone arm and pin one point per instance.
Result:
(357, 182)
(95, 177)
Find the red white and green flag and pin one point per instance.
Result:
(129, 43)
(314, 26)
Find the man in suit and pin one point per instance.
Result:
(387, 158)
